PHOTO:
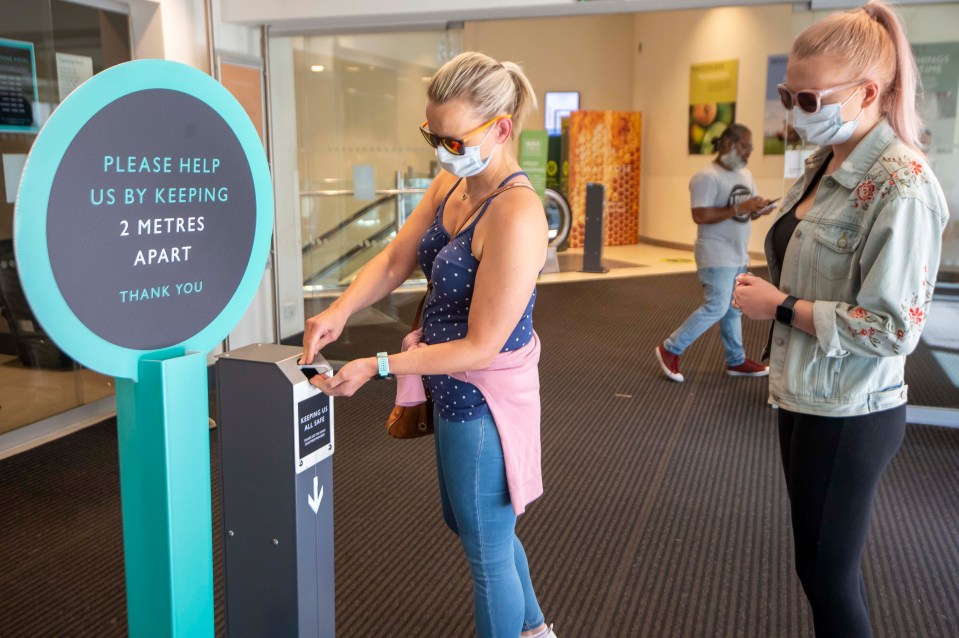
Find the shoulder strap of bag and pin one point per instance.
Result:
(419, 310)
(482, 202)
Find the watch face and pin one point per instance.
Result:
(382, 365)
(784, 314)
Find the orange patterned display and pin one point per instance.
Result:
(604, 147)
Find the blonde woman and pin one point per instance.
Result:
(853, 258)
(477, 348)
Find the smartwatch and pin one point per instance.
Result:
(382, 366)
(785, 311)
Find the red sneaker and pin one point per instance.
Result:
(669, 363)
(748, 368)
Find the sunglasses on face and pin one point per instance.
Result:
(810, 100)
(452, 144)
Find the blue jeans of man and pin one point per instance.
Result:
(718, 286)
(476, 506)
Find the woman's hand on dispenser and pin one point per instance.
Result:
(321, 330)
(349, 379)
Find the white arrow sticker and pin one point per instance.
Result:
(315, 498)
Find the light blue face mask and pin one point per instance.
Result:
(825, 127)
(466, 165)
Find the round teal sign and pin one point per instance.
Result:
(144, 216)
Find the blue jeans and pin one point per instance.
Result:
(718, 285)
(476, 506)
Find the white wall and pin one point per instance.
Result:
(600, 57)
(672, 41)
(589, 54)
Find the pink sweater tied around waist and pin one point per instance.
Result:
(510, 386)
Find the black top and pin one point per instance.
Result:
(782, 233)
(784, 227)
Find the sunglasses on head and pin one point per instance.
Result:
(810, 100)
(452, 144)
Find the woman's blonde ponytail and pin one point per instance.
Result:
(492, 88)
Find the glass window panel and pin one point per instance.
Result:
(359, 102)
(36, 379)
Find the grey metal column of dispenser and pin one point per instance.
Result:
(276, 467)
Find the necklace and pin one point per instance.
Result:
(467, 195)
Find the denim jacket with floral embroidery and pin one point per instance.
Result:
(866, 254)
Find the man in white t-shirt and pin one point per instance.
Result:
(724, 201)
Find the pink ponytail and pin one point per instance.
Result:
(899, 102)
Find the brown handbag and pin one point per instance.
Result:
(412, 421)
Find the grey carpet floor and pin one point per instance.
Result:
(664, 513)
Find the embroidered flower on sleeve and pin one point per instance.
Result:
(857, 313)
(878, 331)
(915, 167)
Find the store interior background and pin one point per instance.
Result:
(624, 62)
(617, 61)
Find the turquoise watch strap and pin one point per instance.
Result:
(382, 365)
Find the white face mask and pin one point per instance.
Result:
(732, 160)
(466, 165)
(825, 127)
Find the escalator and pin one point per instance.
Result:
(333, 258)
(336, 255)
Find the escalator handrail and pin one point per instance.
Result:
(387, 193)
(346, 222)
(384, 191)
(391, 194)
(381, 234)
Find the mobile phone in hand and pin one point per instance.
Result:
(768, 208)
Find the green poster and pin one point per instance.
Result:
(712, 103)
(939, 72)
(533, 153)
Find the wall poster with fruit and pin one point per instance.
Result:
(712, 103)
(776, 136)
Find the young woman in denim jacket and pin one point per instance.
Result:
(853, 258)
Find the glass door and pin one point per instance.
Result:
(46, 49)
(362, 162)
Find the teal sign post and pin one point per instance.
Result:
(141, 231)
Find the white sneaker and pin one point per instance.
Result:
(549, 634)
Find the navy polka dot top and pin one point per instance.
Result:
(451, 268)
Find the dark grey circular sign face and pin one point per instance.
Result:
(151, 219)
